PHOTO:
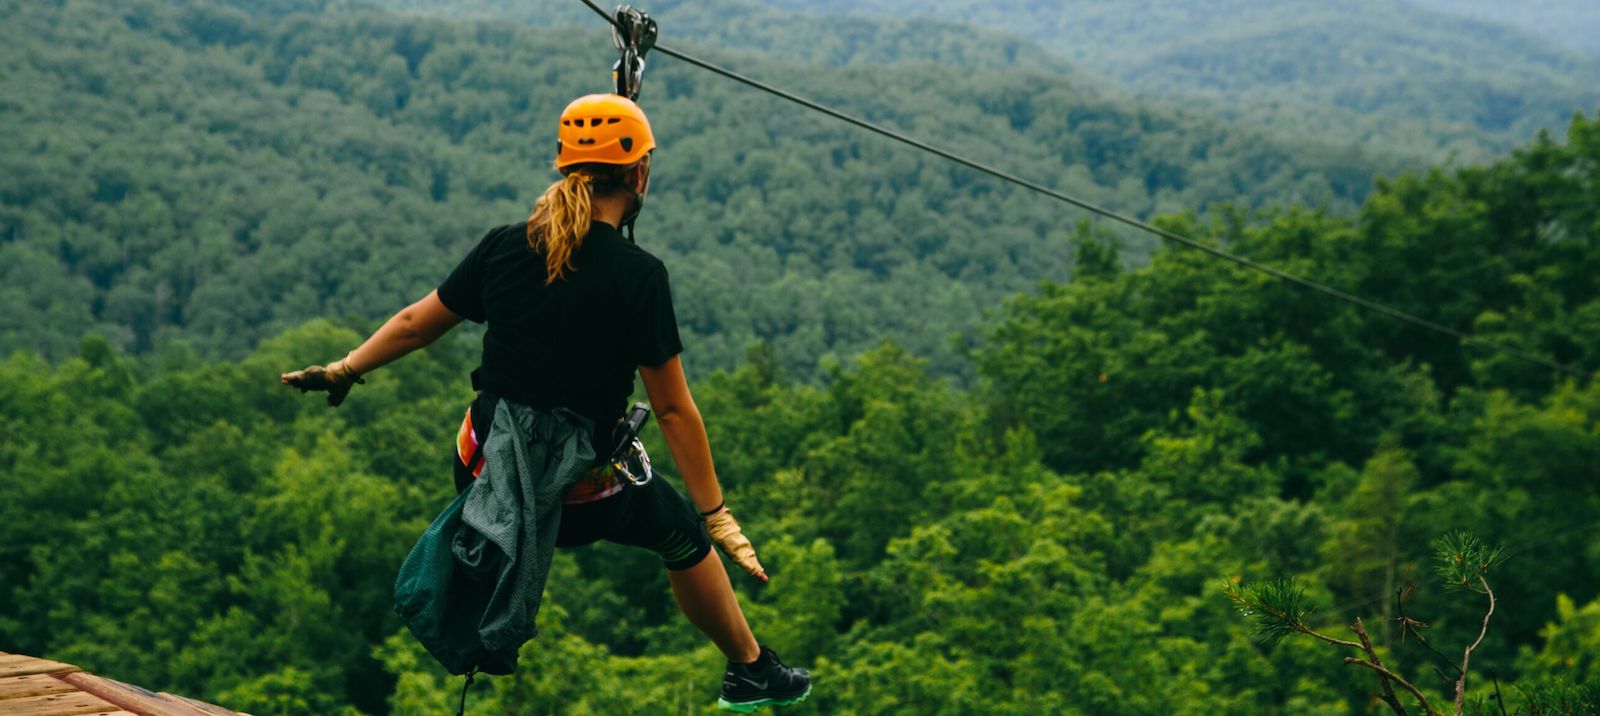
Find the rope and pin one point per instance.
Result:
(462, 709)
(1395, 313)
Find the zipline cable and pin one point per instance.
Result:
(1462, 336)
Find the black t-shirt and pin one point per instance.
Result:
(576, 342)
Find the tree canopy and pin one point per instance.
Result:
(1393, 73)
(1048, 541)
(199, 172)
(1039, 517)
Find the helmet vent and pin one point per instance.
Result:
(627, 144)
(613, 120)
(586, 140)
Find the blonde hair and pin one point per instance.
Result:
(562, 215)
(560, 220)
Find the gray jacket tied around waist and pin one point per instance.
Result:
(470, 588)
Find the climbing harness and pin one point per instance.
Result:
(628, 458)
(635, 34)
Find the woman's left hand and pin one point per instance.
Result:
(724, 530)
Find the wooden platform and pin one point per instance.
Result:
(40, 687)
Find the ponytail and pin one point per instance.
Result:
(560, 220)
(561, 217)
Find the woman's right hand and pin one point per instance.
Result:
(413, 327)
(336, 378)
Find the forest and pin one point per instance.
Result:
(996, 459)
(1389, 71)
(1572, 22)
(213, 176)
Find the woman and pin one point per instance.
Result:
(573, 310)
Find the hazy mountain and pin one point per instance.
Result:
(1575, 23)
(774, 32)
(206, 172)
(1398, 78)
(1371, 57)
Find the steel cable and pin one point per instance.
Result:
(1395, 313)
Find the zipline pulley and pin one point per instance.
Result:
(635, 34)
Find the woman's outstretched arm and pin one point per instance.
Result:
(413, 327)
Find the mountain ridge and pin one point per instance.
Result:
(1575, 23)
(1510, 70)
(380, 146)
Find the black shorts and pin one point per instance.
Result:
(655, 517)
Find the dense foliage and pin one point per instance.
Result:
(1038, 519)
(1050, 542)
(775, 33)
(195, 171)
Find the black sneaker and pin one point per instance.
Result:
(767, 682)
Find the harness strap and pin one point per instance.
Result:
(599, 483)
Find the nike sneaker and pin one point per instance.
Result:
(766, 682)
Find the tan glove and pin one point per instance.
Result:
(724, 530)
(336, 378)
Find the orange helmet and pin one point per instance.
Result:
(603, 129)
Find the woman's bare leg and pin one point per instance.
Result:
(706, 598)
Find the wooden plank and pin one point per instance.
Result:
(17, 687)
(73, 704)
(19, 665)
(134, 698)
(201, 706)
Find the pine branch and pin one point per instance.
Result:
(1279, 609)
(1498, 697)
(1414, 627)
(1461, 684)
(1427, 708)
(1383, 682)
(1463, 559)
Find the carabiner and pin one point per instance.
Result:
(634, 465)
(634, 33)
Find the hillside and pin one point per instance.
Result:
(1371, 58)
(226, 190)
(1574, 23)
(773, 33)
(1055, 541)
(203, 173)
